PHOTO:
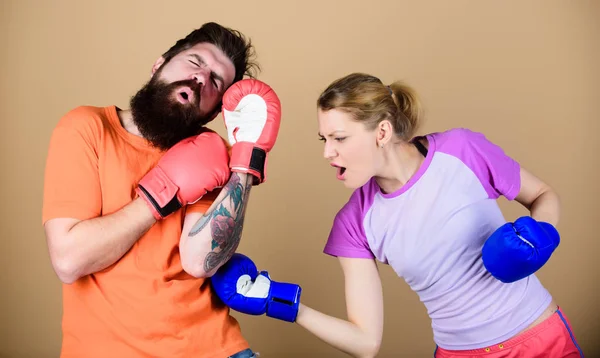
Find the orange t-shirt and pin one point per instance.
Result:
(144, 305)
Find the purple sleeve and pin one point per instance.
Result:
(347, 237)
(498, 173)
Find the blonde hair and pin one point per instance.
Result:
(368, 100)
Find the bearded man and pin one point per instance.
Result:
(142, 206)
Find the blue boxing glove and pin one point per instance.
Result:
(243, 288)
(517, 250)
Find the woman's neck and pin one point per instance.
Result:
(400, 163)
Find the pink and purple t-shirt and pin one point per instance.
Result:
(431, 232)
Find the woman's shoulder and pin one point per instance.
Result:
(360, 200)
(454, 136)
(462, 142)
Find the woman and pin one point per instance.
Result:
(426, 206)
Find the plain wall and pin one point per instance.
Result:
(524, 73)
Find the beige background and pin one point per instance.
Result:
(523, 72)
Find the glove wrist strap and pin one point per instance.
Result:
(284, 301)
(160, 193)
(248, 158)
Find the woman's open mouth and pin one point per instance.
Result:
(340, 171)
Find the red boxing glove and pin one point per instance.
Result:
(252, 113)
(186, 172)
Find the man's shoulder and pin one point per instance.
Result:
(84, 117)
(87, 121)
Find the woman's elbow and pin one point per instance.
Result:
(372, 348)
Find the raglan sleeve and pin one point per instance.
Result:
(498, 172)
(347, 236)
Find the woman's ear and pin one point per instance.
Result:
(385, 131)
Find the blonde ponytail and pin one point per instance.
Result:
(409, 104)
(369, 101)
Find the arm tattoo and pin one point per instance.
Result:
(225, 224)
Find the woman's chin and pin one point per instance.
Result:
(354, 184)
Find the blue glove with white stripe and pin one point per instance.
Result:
(517, 250)
(240, 285)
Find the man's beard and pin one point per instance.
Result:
(163, 120)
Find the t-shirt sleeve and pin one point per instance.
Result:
(347, 237)
(71, 181)
(499, 173)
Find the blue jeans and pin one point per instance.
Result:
(246, 353)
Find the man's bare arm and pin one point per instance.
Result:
(82, 247)
(209, 240)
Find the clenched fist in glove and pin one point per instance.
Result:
(252, 114)
(186, 172)
(517, 250)
(239, 284)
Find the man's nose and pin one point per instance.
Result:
(201, 76)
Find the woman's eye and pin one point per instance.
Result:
(195, 64)
(340, 139)
(322, 139)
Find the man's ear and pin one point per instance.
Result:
(159, 62)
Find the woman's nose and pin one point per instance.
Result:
(328, 151)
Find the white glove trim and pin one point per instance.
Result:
(247, 121)
(257, 289)
(522, 238)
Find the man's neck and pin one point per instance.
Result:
(126, 119)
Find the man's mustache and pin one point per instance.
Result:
(192, 84)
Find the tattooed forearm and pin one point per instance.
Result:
(226, 221)
(205, 219)
(226, 229)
